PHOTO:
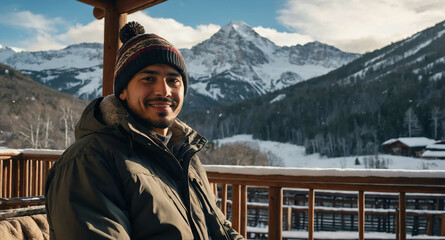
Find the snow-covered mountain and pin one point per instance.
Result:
(76, 69)
(236, 63)
(6, 52)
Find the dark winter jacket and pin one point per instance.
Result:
(118, 181)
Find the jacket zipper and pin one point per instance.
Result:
(184, 172)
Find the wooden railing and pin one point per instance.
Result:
(361, 181)
(22, 174)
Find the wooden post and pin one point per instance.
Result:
(215, 189)
(23, 178)
(8, 178)
(289, 219)
(42, 179)
(236, 207)
(397, 225)
(310, 214)
(402, 215)
(15, 176)
(275, 212)
(2, 174)
(36, 178)
(361, 215)
(243, 217)
(224, 199)
(113, 23)
(442, 225)
(429, 226)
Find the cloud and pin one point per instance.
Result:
(175, 32)
(283, 38)
(33, 22)
(92, 32)
(360, 26)
(48, 33)
(40, 28)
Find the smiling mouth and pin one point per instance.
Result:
(159, 105)
(161, 102)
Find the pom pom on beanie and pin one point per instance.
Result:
(140, 50)
(130, 30)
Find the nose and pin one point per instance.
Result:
(162, 89)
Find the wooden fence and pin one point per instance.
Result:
(22, 174)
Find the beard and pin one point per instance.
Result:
(163, 122)
(160, 123)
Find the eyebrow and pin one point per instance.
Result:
(173, 74)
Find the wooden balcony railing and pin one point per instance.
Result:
(361, 181)
(23, 173)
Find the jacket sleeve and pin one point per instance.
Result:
(84, 201)
(218, 213)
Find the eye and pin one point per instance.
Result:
(174, 81)
(147, 79)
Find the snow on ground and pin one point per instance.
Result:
(294, 156)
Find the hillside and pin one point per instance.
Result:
(392, 92)
(35, 116)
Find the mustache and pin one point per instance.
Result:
(160, 99)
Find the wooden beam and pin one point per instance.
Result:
(98, 3)
(113, 23)
(126, 7)
(131, 6)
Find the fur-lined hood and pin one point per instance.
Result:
(106, 115)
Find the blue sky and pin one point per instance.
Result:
(351, 25)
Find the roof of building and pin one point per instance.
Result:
(411, 141)
(436, 146)
(433, 154)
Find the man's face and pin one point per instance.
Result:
(155, 94)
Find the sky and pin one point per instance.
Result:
(351, 25)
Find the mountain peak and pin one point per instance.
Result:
(238, 28)
(85, 45)
(6, 52)
(238, 25)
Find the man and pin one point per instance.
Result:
(132, 172)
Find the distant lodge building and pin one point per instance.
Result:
(420, 147)
(435, 150)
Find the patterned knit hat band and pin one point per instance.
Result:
(141, 50)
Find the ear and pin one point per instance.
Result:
(123, 95)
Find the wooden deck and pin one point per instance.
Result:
(22, 174)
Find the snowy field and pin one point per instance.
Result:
(294, 156)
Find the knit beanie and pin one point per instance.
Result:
(140, 50)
